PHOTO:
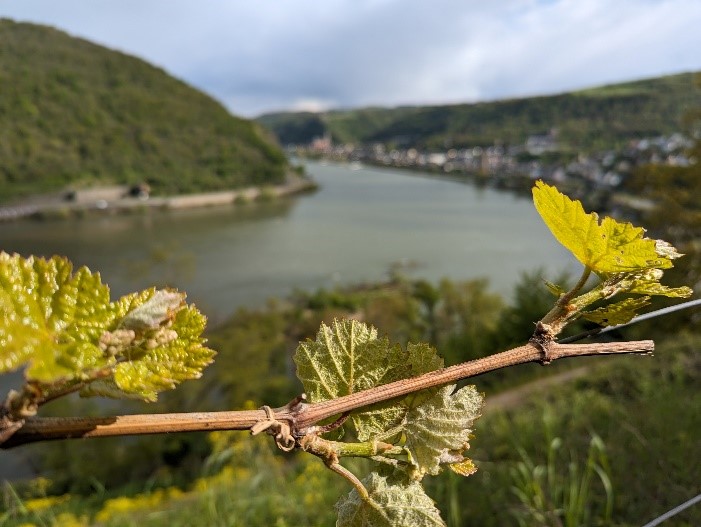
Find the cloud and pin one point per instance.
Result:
(261, 56)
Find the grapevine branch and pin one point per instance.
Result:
(300, 417)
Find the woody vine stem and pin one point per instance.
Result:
(298, 419)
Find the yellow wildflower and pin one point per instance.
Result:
(66, 519)
(38, 504)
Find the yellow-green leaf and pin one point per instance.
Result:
(465, 467)
(619, 313)
(646, 282)
(179, 355)
(605, 247)
(555, 289)
(62, 328)
(50, 317)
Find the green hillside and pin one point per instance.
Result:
(589, 119)
(72, 112)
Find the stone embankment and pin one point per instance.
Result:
(56, 207)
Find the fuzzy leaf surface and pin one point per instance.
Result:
(348, 357)
(605, 247)
(345, 358)
(392, 503)
(378, 419)
(438, 430)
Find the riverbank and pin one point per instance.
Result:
(56, 206)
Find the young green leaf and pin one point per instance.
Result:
(438, 431)
(63, 328)
(618, 313)
(378, 419)
(648, 283)
(345, 358)
(172, 355)
(50, 318)
(605, 247)
(392, 503)
(349, 357)
(555, 289)
(160, 307)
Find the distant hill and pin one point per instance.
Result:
(72, 112)
(590, 119)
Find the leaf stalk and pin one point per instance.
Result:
(564, 310)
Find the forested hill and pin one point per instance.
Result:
(595, 118)
(72, 112)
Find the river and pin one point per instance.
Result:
(352, 229)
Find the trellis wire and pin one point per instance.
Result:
(674, 511)
(635, 320)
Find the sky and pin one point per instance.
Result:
(258, 56)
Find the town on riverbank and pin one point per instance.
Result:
(595, 177)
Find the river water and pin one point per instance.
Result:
(351, 230)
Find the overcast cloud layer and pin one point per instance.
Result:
(260, 56)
